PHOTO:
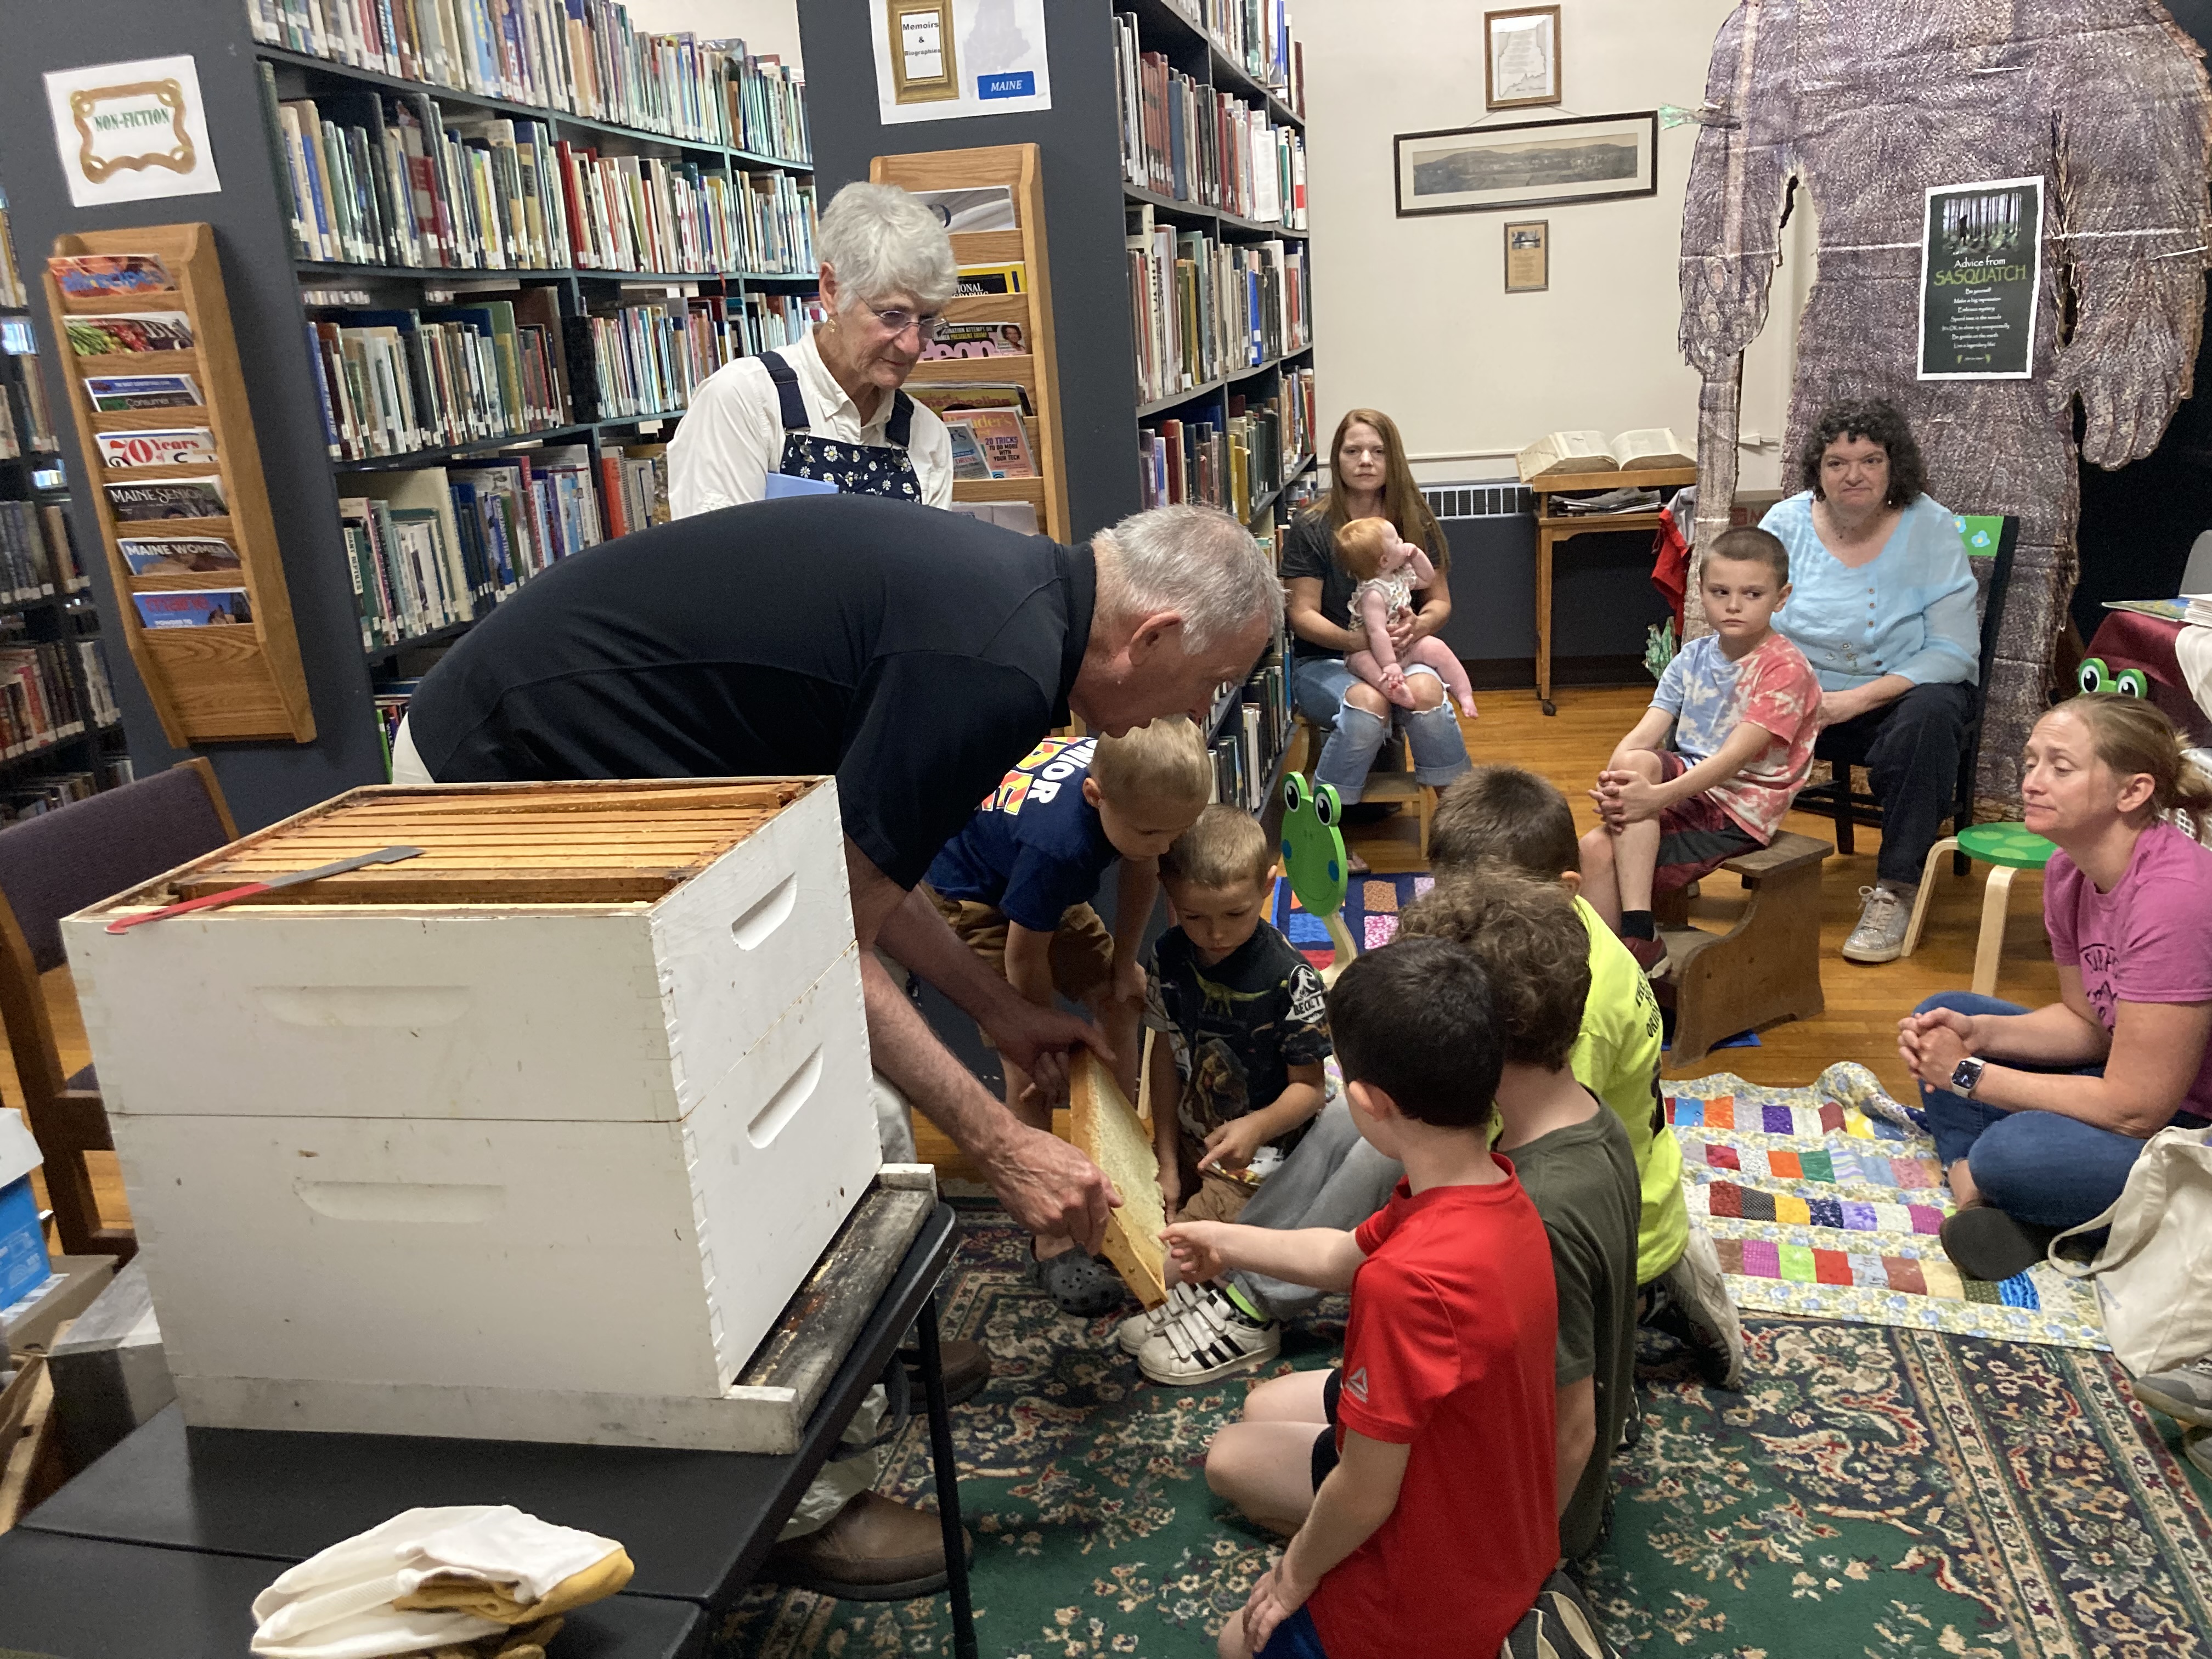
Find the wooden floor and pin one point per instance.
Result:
(1864, 1006)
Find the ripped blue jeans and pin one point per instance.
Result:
(1356, 737)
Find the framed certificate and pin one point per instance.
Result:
(1528, 256)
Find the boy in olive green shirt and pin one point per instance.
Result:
(1511, 818)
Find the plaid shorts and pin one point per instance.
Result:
(1696, 837)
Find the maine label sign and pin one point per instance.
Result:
(131, 132)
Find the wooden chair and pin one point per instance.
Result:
(1849, 807)
(50, 867)
(1392, 782)
(1764, 969)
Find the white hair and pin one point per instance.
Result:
(882, 242)
(1196, 561)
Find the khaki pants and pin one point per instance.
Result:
(1210, 1196)
(1082, 954)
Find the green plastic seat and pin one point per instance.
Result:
(2013, 845)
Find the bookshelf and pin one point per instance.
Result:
(483, 343)
(60, 729)
(1092, 186)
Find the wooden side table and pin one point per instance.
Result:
(1553, 528)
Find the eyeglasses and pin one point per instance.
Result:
(897, 321)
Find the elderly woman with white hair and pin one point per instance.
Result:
(830, 408)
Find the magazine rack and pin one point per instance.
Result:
(1014, 166)
(242, 682)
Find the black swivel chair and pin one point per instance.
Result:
(1849, 807)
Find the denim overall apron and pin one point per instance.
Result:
(882, 469)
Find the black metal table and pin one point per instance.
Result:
(698, 1524)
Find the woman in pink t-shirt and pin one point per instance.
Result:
(2037, 1117)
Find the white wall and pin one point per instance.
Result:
(768, 27)
(1411, 315)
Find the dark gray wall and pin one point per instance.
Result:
(264, 781)
(1079, 151)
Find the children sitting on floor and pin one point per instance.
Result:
(1744, 708)
(1388, 568)
(1572, 1158)
(1015, 885)
(1417, 1481)
(1507, 815)
(1236, 1069)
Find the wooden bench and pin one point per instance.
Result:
(1767, 968)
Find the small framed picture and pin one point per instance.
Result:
(1528, 256)
(1521, 57)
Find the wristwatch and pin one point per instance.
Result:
(1965, 1074)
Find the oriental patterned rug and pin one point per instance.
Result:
(1827, 1201)
(1876, 1491)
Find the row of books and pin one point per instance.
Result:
(99, 684)
(770, 322)
(35, 429)
(585, 57)
(434, 546)
(1201, 309)
(1255, 34)
(38, 555)
(398, 380)
(645, 359)
(39, 703)
(12, 291)
(1184, 138)
(29, 799)
(1234, 465)
(1245, 755)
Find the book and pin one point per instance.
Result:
(104, 275)
(992, 279)
(946, 396)
(2175, 611)
(172, 556)
(195, 607)
(1650, 449)
(989, 207)
(110, 394)
(180, 446)
(129, 331)
(977, 340)
(172, 498)
(1019, 516)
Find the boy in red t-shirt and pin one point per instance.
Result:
(1425, 1520)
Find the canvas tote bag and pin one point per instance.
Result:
(2155, 1275)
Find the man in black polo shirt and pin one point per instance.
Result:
(918, 655)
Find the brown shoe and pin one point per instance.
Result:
(872, 1550)
(967, 1367)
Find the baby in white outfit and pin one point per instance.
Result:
(1389, 568)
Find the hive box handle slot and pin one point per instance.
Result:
(783, 1105)
(753, 929)
(402, 1200)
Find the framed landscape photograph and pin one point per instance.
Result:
(1521, 57)
(1527, 164)
(1528, 255)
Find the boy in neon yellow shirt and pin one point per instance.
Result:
(1510, 816)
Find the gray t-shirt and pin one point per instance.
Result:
(1583, 1181)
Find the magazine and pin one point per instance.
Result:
(172, 498)
(103, 276)
(1000, 437)
(172, 555)
(110, 394)
(968, 462)
(181, 446)
(978, 340)
(194, 607)
(145, 330)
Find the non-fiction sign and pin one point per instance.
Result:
(1981, 268)
(131, 132)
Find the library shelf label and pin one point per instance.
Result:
(131, 132)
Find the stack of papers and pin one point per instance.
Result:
(1612, 501)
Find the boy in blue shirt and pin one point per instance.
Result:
(1015, 885)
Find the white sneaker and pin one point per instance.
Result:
(1208, 1338)
(1885, 913)
(1138, 1329)
(2182, 1392)
(1693, 1307)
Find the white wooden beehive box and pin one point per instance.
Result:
(532, 1136)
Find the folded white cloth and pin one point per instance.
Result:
(2192, 649)
(337, 1605)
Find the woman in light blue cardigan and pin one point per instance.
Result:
(1882, 604)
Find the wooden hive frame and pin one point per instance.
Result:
(1015, 167)
(1106, 1128)
(239, 683)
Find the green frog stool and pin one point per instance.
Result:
(1313, 859)
(2007, 849)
